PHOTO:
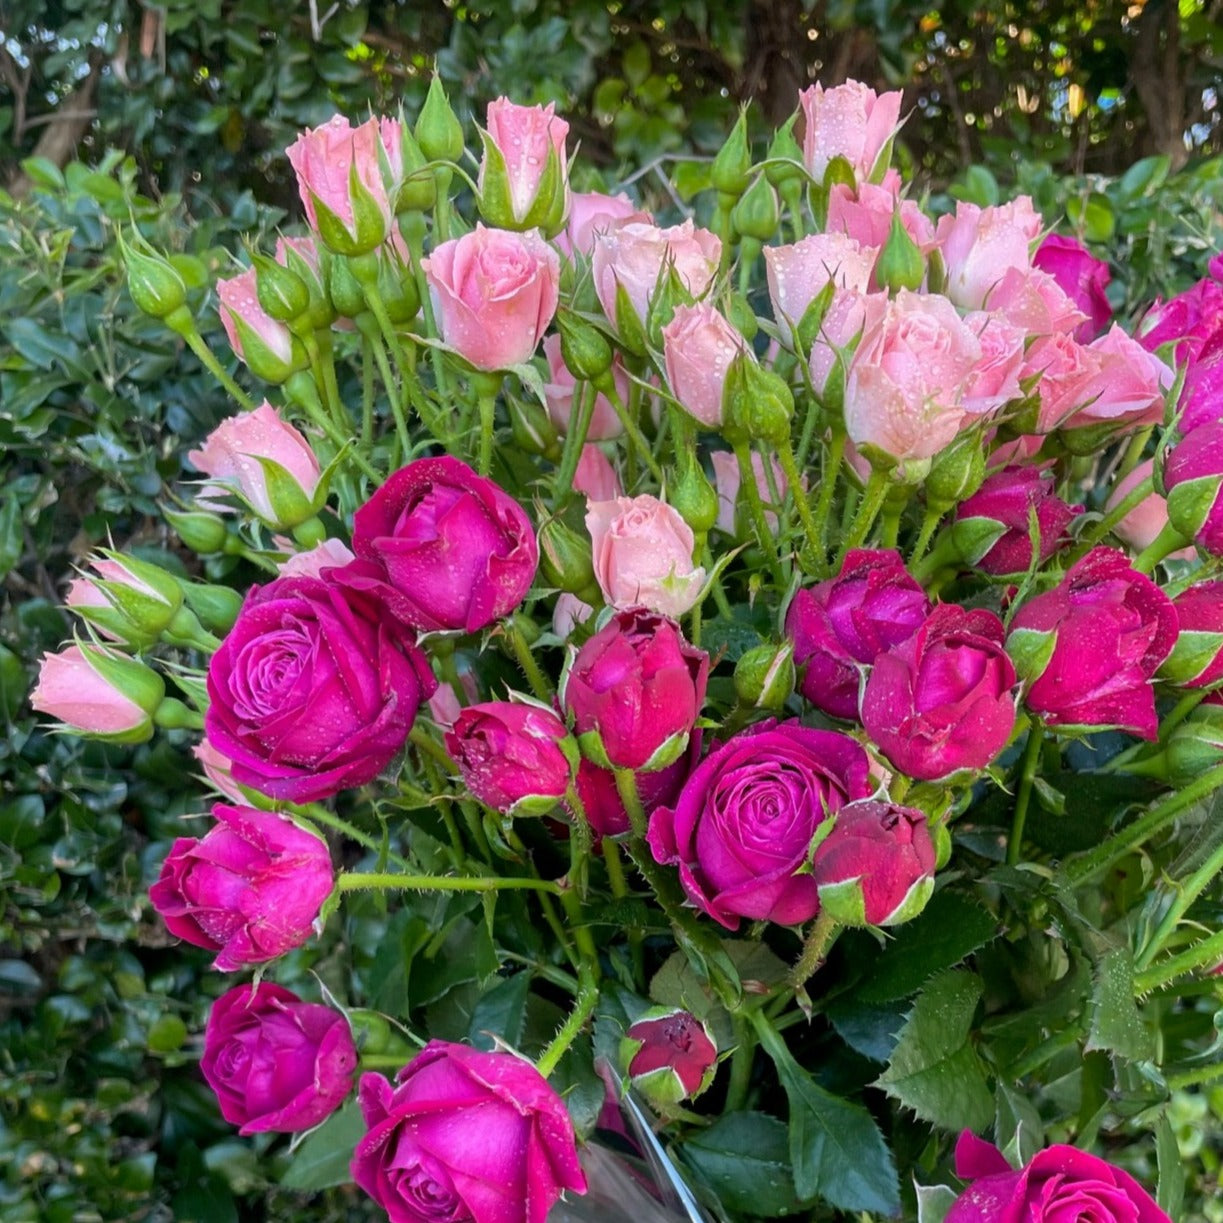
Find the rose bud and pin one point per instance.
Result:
(600, 796)
(1195, 745)
(741, 830)
(1058, 1183)
(265, 462)
(1088, 649)
(275, 1062)
(465, 1135)
(876, 866)
(494, 294)
(799, 273)
(643, 555)
(250, 889)
(510, 756)
(592, 213)
(314, 690)
(634, 690)
(559, 392)
(669, 1055)
(216, 766)
(850, 122)
(764, 676)
(979, 245)
(444, 548)
(1005, 500)
(1196, 660)
(841, 625)
(1193, 475)
(698, 346)
(129, 601)
(1140, 527)
(524, 174)
(595, 477)
(99, 693)
(942, 700)
(267, 347)
(1081, 276)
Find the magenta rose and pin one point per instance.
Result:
(850, 121)
(1193, 476)
(465, 1136)
(275, 1062)
(314, 689)
(669, 1054)
(634, 690)
(1088, 649)
(494, 294)
(1194, 321)
(942, 700)
(1196, 660)
(249, 889)
(740, 831)
(840, 626)
(509, 755)
(445, 548)
(1058, 1184)
(1006, 500)
(1082, 276)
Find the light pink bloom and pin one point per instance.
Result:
(70, 689)
(524, 135)
(633, 255)
(216, 768)
(727, 479)
(850, 121)
(569, 612)
(866, 215)
(799, 272)
(850, 315)
(698, 347)
(642, 552)
(231, 454)
(240, 300)
(979, 245)
(1033, 300)
(595, 477)
(444, 706)
(494, 293)
(558, 391)
(1068, 371)
(995, 380)
(1129, 387)
(330, 554)
(592, 213)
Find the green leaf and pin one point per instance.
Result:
(836, 1148)
(501, 1013)
(1144, 176)
(1018, 1132)
(934, 1070)
(42, 348)
(1094, 216)
(1116, 1026)
(322, 1159)
(11, 535)
(1170, 1192)
(934, 1202)
(744, 1159)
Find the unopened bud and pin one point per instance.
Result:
(438, 130)
(900, 264)
(765, 676)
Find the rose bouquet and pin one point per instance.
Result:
(753, 676)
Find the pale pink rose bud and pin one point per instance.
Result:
(850, 315)
(216, 766)
(1128, 388)
(330, 554)
(642, 551)
(595, 477)
(526, 137)
(444, 706)
(126, 599)
(727, 478)
(559, 393)
(1035, 302)
(698, 346)
(994, 382)
(866, 214)
(265, 461)
(798, 273)
(98, 693)
(570, 611)
(979, 245)
(494, 294)
(850, 121)
(592, 213)
(257, 339)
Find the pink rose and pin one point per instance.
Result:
(126, 599)
(1128, 388)
(727, 478)
(258, 340)
(1057, 1185)
(643, 554)
(1111, 628)
(979, 245)
(698, 347)
(250, 889)
(465, 1135)
(595, 477)
(1067, 374)
(1193, 476)
(569, 612)
(942, 700)
(637, 687)
(995, 381)
(509, 756)
(1144, 522)
(592, 213)
(741, 830)
(525, 136)
(865, 215)
(798, 273)
(630, 256)
(323, 158)
(839, 627)
(559, 393)
(264, 460)
(99, 693)
(905, 388)
(314, 689)
(1196, 660)
(1033, 301)
(1083, 277)
(850, 121)
(494, 294)
(216, 766)
(330, 554)
(444, 548)
(851, 316)
(276, 1063)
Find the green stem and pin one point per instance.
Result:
(868, 510)
(588, 995)
(584, 396)
(1027, 780)
(526, 660)
(428, 746)
(367, 394)
(488, 410)
(1046, 1051)
(1205, 952)
(414, 235)
(1138, 494)
(626, 784)
(719, 595)
(321, 352)
(815, 949)
(1187, 891)
(929, 525)
(1168, 540)
(640, 444)
(764, 537)
(196, 343)
(1195, 1077)
(392, 395)
(319, 814)
(828, 484)
(354, 881)
(1180, 711)
(383, 1061)
(789, 465)
(740, 1066)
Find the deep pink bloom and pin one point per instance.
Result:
(601, 799)
(444, 547)
(1059, 1184)
(249, 889)
(840, 626)
(465, 1135)
(1111, 629)
(1082, 276)
(1193, 476)
(1194, 321)
(1196, 660)
(943, 699)
(275, 1062)
(314, 689)
(670, 1053)
(740, 831)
